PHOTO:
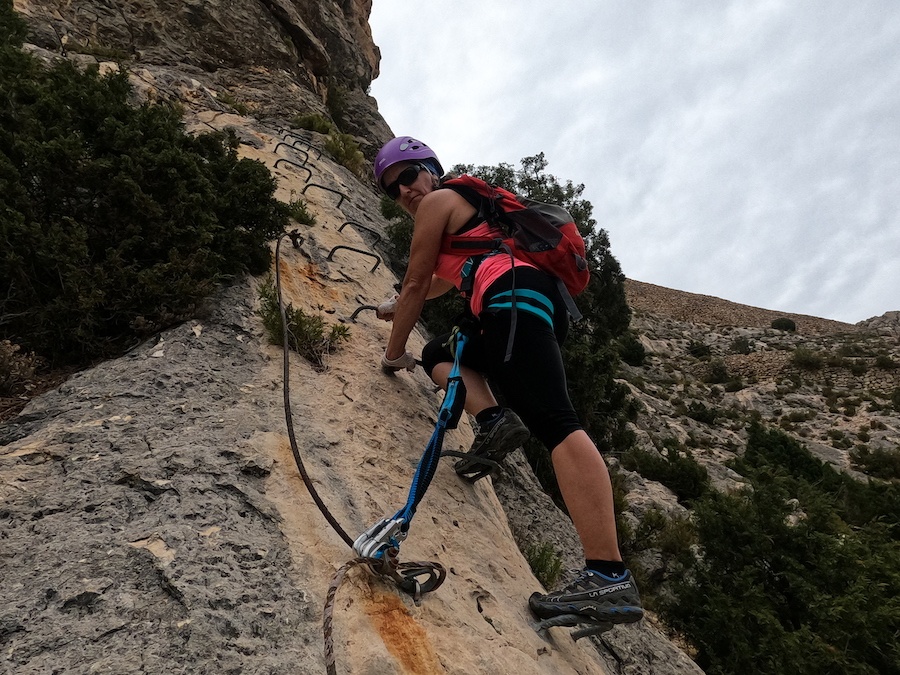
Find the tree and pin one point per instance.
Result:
(114, 223)
(799, 573)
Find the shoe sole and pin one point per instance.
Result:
(616, 614)
(473, 466)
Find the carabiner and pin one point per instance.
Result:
(385, 534)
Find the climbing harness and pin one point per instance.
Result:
(381, 541)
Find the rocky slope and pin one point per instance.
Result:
(153, 519)
(714, 311)
(828, 384)
(271, 59)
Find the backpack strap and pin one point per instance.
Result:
(569, 301)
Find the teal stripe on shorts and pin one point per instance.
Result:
(523, 307)
(527, 293)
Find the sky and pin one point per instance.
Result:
(748, 150)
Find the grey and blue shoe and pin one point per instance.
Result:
(593, 598)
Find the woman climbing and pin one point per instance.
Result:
(530, 377)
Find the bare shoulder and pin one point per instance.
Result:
(448, 206)
(441, 199)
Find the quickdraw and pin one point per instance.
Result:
(388, 533)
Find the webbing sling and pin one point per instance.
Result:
(448, 418)
(387, 533)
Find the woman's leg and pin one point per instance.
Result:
(587, 490)
(478, 394)
(437, 360)
(534, 383)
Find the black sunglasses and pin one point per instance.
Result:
(407, 177)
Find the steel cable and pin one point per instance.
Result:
(404, 575)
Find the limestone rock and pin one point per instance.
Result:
(153, 514)
(275, 58)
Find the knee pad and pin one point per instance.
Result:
(434, 353)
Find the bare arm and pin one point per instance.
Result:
(432, 217)
(438, 287)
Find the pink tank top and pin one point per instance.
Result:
(449, 266)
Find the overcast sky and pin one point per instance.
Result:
(747, 150)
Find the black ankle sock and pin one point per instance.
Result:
(489, 414)
(608, 568)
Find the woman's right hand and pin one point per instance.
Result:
(405, 362)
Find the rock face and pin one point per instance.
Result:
(153, 518)
(274, 58)
(886, 324)
(152, 515)
(837, 399)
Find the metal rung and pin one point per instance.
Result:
(299, 139)
(587, 625)
(288, 145)
(375, 234)
(296, 166)
(357, 250)
(360, 309)
(328, 189)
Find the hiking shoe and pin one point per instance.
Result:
(594, 596)
(493, 442)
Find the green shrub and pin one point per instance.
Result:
(895, 399)
(314, 122)
(630, 350)
(885, 362)
(296, 209)
(672, 537)
(337, 104)
(734, 385)
(717, 373)
(228, 99)
(772, 594)
(880, 463)
(16, 368)
(858, 367)
(698, 350)
(545, 563)
(806, 359)
(852, 349)
(677, 470)
(740, 345)
(345, 150)
(783, 323)
(115, 223)
(307, 335)
(698, 411)
(801, 415)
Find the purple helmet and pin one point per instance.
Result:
(404, 149)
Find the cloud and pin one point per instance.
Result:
(749, 151)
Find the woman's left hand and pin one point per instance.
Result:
(407, 361)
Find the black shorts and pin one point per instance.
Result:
(533, 381)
